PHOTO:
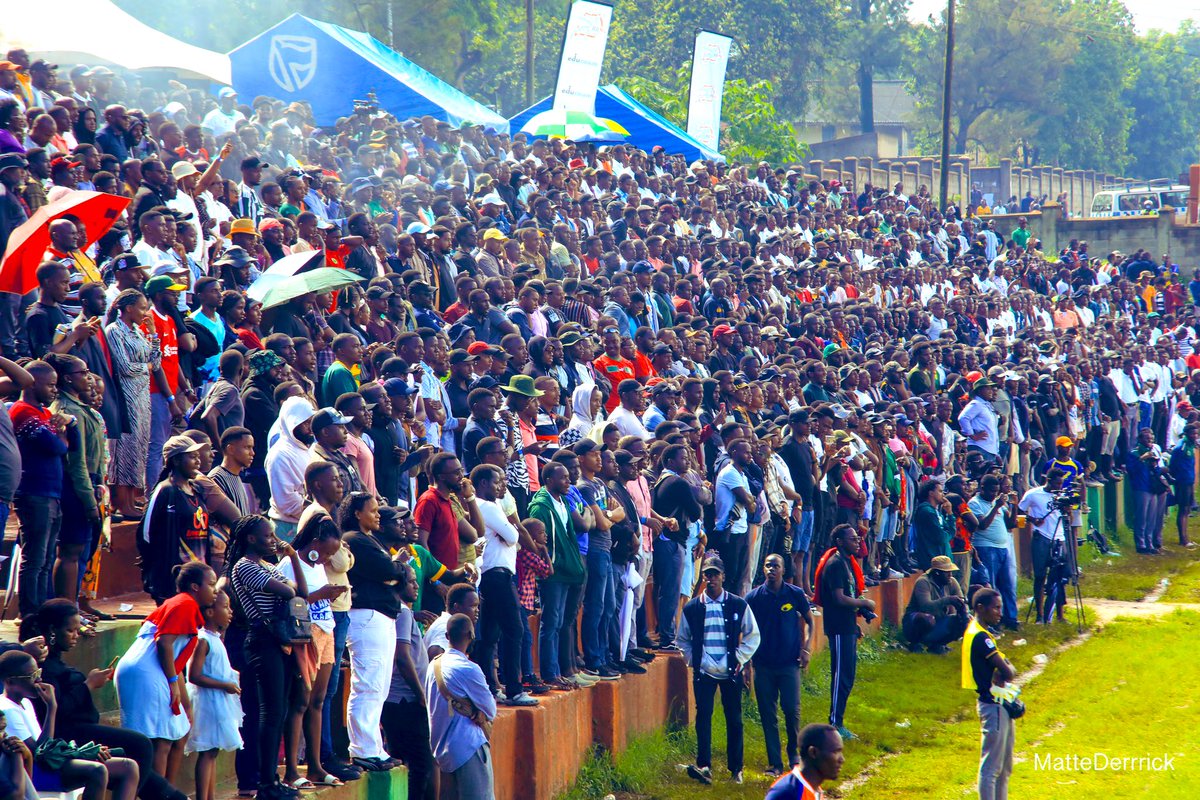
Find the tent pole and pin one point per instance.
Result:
(528, 53)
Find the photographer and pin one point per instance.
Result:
(1041, 508)
(990, 538)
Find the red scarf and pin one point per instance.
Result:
(859, 582)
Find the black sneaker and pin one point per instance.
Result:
(342, 771)
(633, 667)
(702, 774)
(606, 674)
(615, 667)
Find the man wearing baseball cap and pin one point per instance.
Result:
(718, 635)
(329, 437)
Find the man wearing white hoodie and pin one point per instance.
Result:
(286, 461)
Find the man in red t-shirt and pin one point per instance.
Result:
(170, 392)
(613, 366)
(437, 524)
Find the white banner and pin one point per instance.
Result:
(582, 56)
(708, 84)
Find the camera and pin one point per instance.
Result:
(867, 615)
(1064, 500)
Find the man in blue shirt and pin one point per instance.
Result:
(460, 705)
(990, 519)
(785, 623)
(980, 423)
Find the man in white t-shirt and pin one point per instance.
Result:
(500, 613)
(1038, 507)
(628, 416)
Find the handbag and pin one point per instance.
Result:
(461, 705)
(1014, 707)
(292, 623)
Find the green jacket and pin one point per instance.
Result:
(560, 539)
(89, 460)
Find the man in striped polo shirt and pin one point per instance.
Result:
(717, 635)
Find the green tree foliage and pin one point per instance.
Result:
(752, 128)
(1090, 126)
(1162, 98)
(1004, 66)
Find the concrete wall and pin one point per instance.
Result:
(1160, 233)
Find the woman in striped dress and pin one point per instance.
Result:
(134, 357)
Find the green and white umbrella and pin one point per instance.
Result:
(273, 289)
(578, 126)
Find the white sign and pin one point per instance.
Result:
(582, 56)
(708, 84)
(292, 61)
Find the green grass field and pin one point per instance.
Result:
(1128, 691)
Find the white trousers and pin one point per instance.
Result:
(372, 643)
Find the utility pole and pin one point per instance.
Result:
(944, 184)
(528, 53)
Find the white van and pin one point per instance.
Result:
(1132, 201)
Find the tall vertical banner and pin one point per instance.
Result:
(582, 56)
(709, 59)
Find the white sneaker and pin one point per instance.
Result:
(893, 575)
(522, 699)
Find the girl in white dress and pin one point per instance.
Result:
(216, 705)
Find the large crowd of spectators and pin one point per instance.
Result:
(571, 383)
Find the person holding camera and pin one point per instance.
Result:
(840, 584)
(1043, 516)
(990, 516)
(984, 666)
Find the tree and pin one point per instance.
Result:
(1162, 98)
(1090, 129)
(876, 34)
(751, 130)
(1003, 63)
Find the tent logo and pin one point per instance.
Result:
(292, 61)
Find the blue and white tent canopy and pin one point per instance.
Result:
(327, 66)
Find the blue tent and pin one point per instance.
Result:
(329, 67)
(646, 128)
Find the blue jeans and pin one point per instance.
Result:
(668, 566)
(160, 431)
(527, 648)
(599, 602)
(554, 603)
(341, 627)
(802, 534)
(996, 562)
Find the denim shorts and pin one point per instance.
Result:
(802, 533)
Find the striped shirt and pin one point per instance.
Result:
(249, 581)
(715, 659)
(233, 488)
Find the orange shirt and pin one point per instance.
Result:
(616, 370)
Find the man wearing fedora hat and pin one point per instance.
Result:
(936, 614)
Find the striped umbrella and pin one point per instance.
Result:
(578, 126)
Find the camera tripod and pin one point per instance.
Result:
(1063, 570)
